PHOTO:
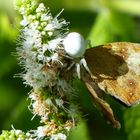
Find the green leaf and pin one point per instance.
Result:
(80, 132)
(112, 26)
(132, 122)
(127, 6)
(21, 117)
(101, 31)
(7, 30)
(122, 25)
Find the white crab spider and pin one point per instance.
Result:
(75, 46)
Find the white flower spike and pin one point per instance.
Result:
(74, 45)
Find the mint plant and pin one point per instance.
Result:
(45, 63)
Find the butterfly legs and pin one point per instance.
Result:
(103, 105)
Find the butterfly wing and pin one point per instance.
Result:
(117, 68)
(102, 104)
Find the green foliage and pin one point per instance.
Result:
(76, 131)
(132, 123)
(109, 27)
(101, 21)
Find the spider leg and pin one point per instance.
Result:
(78, 70)
(84, 63)
(72, 64)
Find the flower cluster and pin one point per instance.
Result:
(46, 70)
(15, 135)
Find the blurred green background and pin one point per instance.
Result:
(100, 21)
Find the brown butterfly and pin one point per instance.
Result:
(112, 68)
(115, 69)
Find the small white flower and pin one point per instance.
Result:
(17, 132)
(40, 57)
(36, 23)
(49, 102)
(43, 33)
(28, 42)
(53, 44)
(45, 17)
(57, 24)
(50, 33)
(24, 22)
(59, 102)
(22, 10)
(32, 97)
(54, 57)
(45, 47)
(58, 136)
(40, 8)
(19, 138)
(40, 131)
(49, 27)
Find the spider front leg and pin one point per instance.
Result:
(78, 67)
(84, 63)
(78, 70)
